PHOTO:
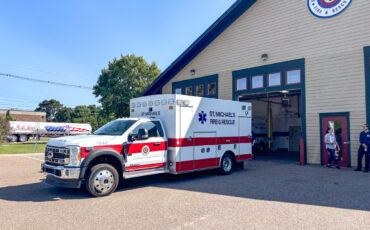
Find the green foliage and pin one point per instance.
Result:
(9, 118)
(51, 107)
(83, 114)
(81, 111)
(4, 128)
(124, 79)
(64, 115)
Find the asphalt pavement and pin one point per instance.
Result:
(264, 195)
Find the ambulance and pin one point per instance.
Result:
(164, 134)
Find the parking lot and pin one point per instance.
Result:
(266, 194)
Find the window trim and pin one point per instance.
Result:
(141, 123)
(263, 81)
(180, 88)
(300, 76)
(192, 90)
(236, 84)
(268, 80)
(208, 83)
(195, 91)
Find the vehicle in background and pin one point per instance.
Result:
(21, 131)
(164, 134)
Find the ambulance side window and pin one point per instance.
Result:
(151, 127)
(159, 127)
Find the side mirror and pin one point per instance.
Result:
(131, 137)
(143, 134)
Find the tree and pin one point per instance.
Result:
(124, 79)
(64, 115)
(4, 128)
(51, 107)
(81, 111)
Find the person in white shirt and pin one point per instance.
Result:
(331, 143)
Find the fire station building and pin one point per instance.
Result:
(304, 66)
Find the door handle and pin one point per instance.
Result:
(157, 144)
(346, 142)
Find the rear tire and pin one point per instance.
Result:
(102, 180)
(13, 138)
(227, 164)
(23, 138)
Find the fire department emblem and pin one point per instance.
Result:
(145, 150)
(327, 8)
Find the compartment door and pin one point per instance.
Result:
(245, 146)
(186, 162)
(205, 145)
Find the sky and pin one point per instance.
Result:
(72, 41)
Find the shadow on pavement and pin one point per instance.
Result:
(274, 181)
(261, 180)
(39, 192)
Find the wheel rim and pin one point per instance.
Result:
(103, 181)
(227, 164)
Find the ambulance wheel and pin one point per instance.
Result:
(227, 164)
(102, 180)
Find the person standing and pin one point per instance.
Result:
(363, 150)
(331, 143)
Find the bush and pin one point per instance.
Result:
(4, 128)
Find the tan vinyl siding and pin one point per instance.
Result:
(286, 30)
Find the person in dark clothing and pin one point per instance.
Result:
(338, 137)
(363, 150)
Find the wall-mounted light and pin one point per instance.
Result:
(264, 57)
(192, 72)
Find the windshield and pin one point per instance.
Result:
(115, 128)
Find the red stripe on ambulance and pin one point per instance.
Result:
(141, 167)
(188, 142)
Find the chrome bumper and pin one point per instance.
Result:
(60, 172)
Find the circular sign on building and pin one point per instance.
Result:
(327, 8)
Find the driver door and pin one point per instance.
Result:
(147, 153)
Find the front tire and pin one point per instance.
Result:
(102, 180)
(227, 164)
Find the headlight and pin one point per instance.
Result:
(74, 156)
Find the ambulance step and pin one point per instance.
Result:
(145, 172)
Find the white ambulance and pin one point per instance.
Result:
(164, 134)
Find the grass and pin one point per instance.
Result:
(16, 148)
(42, 140)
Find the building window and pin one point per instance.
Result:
(178, 91)
(293, 77)
(189, 90)
(241, 84)
(199, 90)
(274, 79)
(257, 82)
(211, 88)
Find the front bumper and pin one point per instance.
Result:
(61, 176)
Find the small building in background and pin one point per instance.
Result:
(20, 115)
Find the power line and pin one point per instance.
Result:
(44, 81)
